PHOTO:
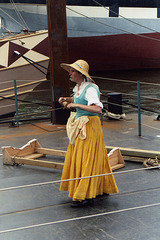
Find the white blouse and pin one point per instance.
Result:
(91, 94)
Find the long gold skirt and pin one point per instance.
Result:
(86, 158)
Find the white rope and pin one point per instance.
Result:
(150, 126)
(73, 179)
(79, 218)
(11, 17)
(130, 106)
(115, 79)
(129, 20)
(19, 15)
(108, 25)
(129, 94)
(128, 81)
(5, 28)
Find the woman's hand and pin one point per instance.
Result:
(71, 106)
(61, 100)
(65, 99)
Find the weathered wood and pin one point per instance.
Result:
(115, 158)
(22, 85)
(51, 151)
(134, 159)
(58, 48)
(117, 166)
(30, 152)
(18, 94)
(137, 152)
(9, 152)
(38, 163)
(34, 155)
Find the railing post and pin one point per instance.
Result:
(16, 103)
(139, 108)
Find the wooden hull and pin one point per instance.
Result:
(15, 67)
(117, 52)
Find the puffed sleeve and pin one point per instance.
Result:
(91, 96)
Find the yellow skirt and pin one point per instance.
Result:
(86, 158)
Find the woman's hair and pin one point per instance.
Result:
(85, 78)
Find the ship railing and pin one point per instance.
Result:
(136, 91)
(14, 97)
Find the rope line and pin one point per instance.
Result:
(129, 20)
(130, 106)
(150, 127)
(80, 218)
(19, 15)
(129, 94)
(108, 25)
(5, 28)
(123, 80)
(11, 17)
(74, 179)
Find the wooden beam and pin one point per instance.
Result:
(58, 48)
(116, 159)
(137, 152)
(13, 95)
(22, 85)
(117, 166)
(37, 163)
(51, 151)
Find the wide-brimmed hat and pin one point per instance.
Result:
(80, 65)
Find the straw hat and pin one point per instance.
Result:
(81, 66)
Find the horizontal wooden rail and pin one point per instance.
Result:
(37, 163)
(51, 152)
(137, 152)
(13, 95)
(22, 85)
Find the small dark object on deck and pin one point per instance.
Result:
(84, 203)
(158, 117)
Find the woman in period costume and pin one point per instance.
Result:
(86, 154)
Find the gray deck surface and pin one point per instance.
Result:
(119, 219)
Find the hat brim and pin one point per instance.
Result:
(67, 67)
